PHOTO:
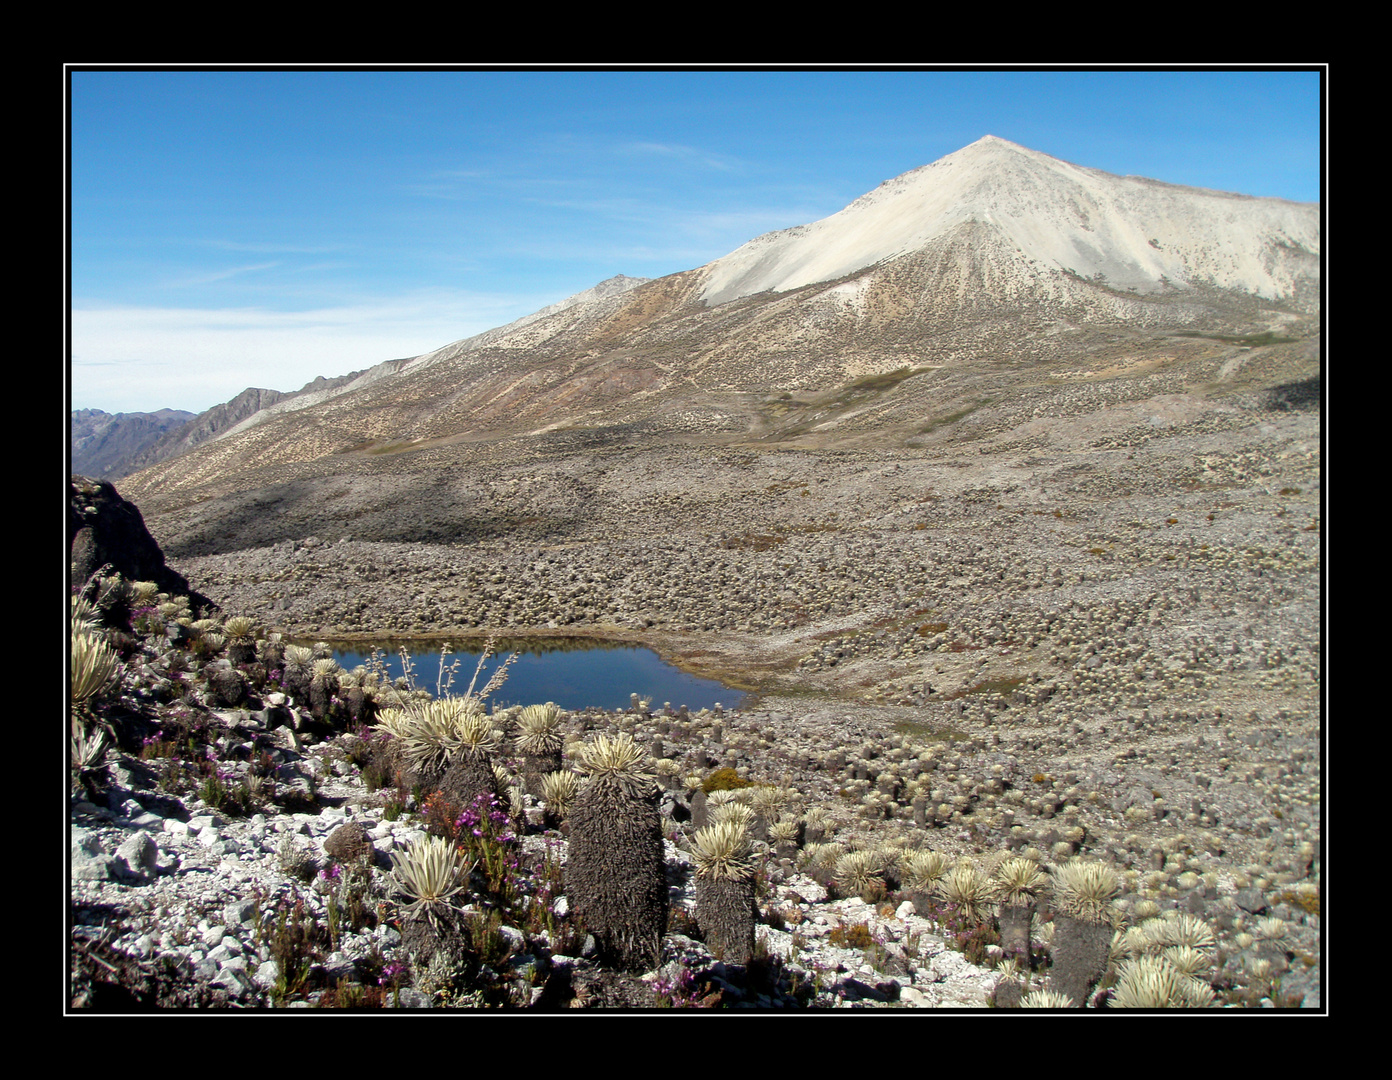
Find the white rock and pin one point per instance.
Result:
(139, 853)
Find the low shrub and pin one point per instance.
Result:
(856, 936)
(725, 779)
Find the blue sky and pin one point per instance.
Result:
(239, 228)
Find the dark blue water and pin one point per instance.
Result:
(573, 678)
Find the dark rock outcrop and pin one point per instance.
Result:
(104, 529)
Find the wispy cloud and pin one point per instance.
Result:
(689, 154)
(664, 231)
(448, 184)
(271, 248)
(462, 174)
(194, 280)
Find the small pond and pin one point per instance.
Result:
(574, 674)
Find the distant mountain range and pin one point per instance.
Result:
(104, 444)
(994, 254)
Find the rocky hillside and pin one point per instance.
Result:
(108, 445)
(207, 425)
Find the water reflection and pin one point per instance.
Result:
(573, 672)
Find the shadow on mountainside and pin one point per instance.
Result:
(1297, 396)
(422, 510)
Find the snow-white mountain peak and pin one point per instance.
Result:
(1130, 232)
